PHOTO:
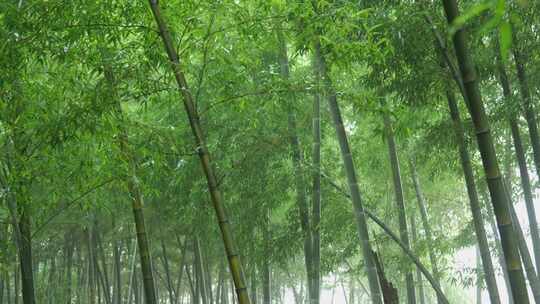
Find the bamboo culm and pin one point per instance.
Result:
(233, 257)
(348, 163)
(316, 188)
(474, 202)
(489, 158)
(425, 222)
(301, 197)
(521, 160)
(400, 201)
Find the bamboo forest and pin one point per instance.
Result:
(269, 152)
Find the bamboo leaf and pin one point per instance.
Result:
(505, 37)
(472, 12)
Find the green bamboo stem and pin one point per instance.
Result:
(233, 257)
(348, 163)
(489, 158)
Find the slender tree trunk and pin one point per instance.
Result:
(165, 260)
(534, 283)
(522, 162)
(348, 164)
(134, 191)
(117, 273)
(219, 296)
(225, 290)
(192, 287)
(199, 268)
(132, 273)
(21, 221)
(526, 186)
(52, 273)
(266, 279)
(183, 246)
(478, 277)
(189, 105)
(301, 198)
(497, 190)
(137, 296)
(99, 279)
(498, 246)
(400, 202)
(197, 283)
(222, 284)
(208, 276)
(425, 222)
(474, 202)
(69, 249)
(351, 291)
(528, 109)
(91, 267)
(80, 272)
(390, 293)
(25, 259)
(102, 272)
(469, 179)
(526, 259)
(142, 240)
(253, 285)
(44, 267)
(8, 287)
(1, 287)
(233, 297)
(419, 281)
(316, 190)
(16, 284)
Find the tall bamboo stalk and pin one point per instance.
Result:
(134, 190)
(165, 261)
(400, 201)
(253, 277)
(420, 199)
(520, 57)
(266, 273)
(348, 163)
(2, 286)
(103, 276)
(478, 277)
(521, 160)
(300, 187)
(489, 157)
(526, 258)
(419, 281)
(117, 273)
(183, 247)
(67, 278)
(497, 244)
(91, 266)
(474, 202)
(225, 227)
(199, 271)
(16, 285)
(316, 188)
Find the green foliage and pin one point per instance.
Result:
(60, 126)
